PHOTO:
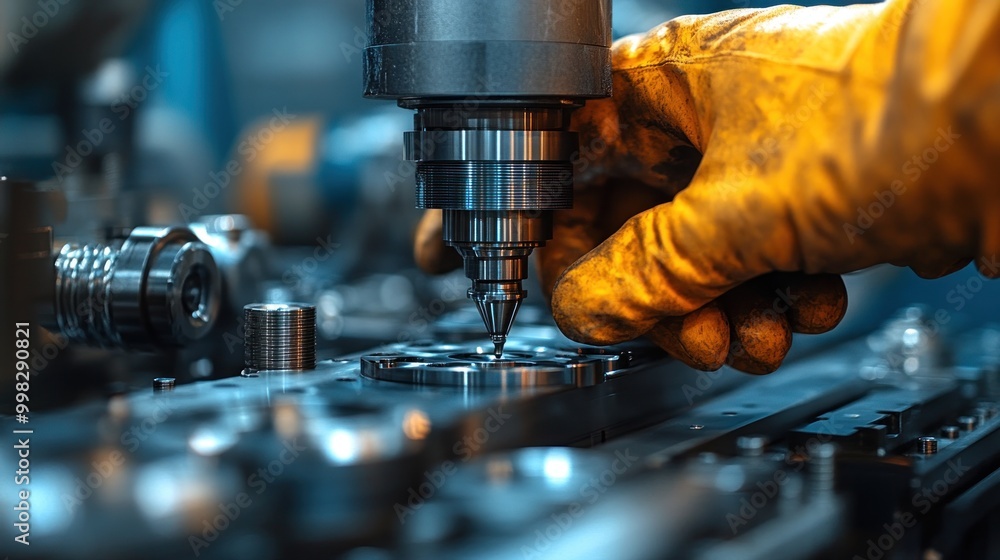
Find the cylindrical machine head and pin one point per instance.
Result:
(486, 48)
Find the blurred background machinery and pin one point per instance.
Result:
(163, 164)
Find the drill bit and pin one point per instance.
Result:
(498, 342)
(498, 304)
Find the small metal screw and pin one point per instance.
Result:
(927, 445)
(164, 383)
(751, 446)
(950, 432)
(967, 423)
(981, 414)
(822, 467)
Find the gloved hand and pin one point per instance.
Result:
(761, 153)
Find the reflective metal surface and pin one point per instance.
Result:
(157, 287)
(472, 367)
(645, 459)
(280, 336)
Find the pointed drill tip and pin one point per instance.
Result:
(498, 348)
(498, 317)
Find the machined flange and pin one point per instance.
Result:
(461, 366)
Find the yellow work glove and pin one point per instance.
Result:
(755, 154)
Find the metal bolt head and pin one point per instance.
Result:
(950, 432)
(990, 409)
(968, 423)
(751, 446)
(164, 383)
(981, 414)
(927, 445)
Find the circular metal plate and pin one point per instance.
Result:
(475, 367)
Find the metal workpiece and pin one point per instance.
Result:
(164, 383)
(468, 367)
(159, 287)
(493, 85)
(927, 445)
(280, 337)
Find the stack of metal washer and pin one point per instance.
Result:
(280, 336)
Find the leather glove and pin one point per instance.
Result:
(751, 156)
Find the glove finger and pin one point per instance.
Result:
(933, 271)
(700, 339)
(429, 250)
(672, 259)
(760, 335)
(813, 303)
